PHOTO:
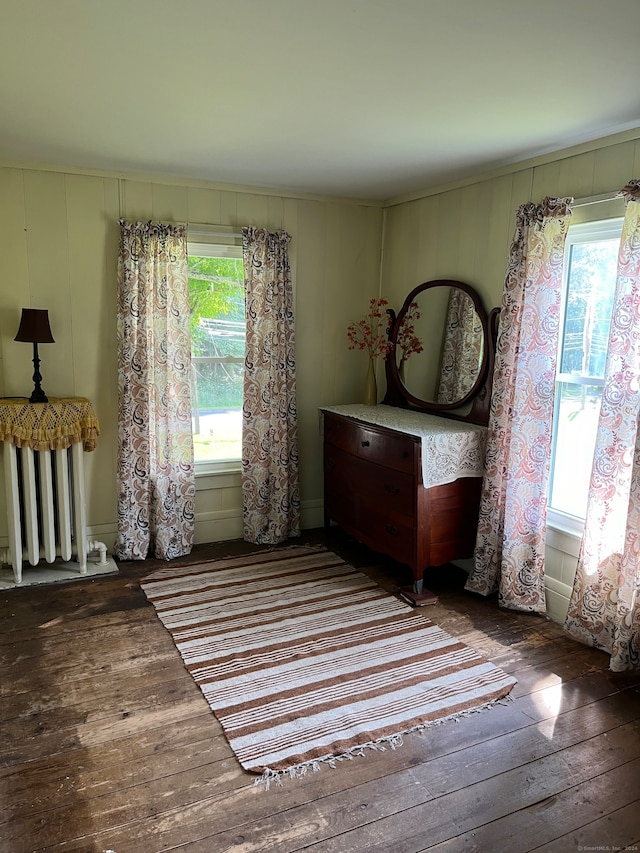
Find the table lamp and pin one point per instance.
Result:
(35, 329)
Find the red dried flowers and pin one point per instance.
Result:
(407, 339)
(371, 333)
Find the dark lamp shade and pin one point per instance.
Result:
(34, 327)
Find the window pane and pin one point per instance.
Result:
(590, 277)
(588, 303)
(217, 435)
(216, 288)
(575, 426)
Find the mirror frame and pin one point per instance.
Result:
(480, 392)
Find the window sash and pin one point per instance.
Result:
(587, 232)
(216, 247)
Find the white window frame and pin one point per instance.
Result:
(216, 246)
(584, 232)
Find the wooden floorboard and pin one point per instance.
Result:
(107, 743)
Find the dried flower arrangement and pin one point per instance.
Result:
(371, 333)
(407, 339)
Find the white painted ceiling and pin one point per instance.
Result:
(361, 98)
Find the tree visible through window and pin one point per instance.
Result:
(216, 301)
(591, 253)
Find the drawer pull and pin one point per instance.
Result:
(365, 443)
(390, 489)
(391, 529)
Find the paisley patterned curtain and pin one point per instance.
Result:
(156, 475)
(270, 494)
(509, 554)
(604, 610)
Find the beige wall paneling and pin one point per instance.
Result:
(203, 206)
(545, 181)
(576, 176)
(561, 558)
(169, 203)
(473, 226)
(602, 170)
(48, 250)
(252, 210)
(556, 594)
(352, 279)
(614, 165)
(309, 326)
(363, 226)
(228, 208)
(501, 220)
(16, 367)
(92, 210)
(427, 242)
(336, 305)
(219, 508)
(275, 216)
(137, 200)
(449, 245)
(401, 251)
(521, 192)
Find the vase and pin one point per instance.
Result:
(401, 371)
(370, 386)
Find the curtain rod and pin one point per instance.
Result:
(595, 199)
(233, 235)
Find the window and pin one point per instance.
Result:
(590, 263)
(216, 298)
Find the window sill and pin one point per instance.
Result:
(216, 475)
(564, 532)
(563, 523)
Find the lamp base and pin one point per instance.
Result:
(38, 396)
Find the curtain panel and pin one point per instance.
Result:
(604, 610)
(155, 467)
(510, 545)
(270, 491)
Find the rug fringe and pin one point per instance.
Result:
(393, 742)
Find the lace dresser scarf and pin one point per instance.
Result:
(450, 449)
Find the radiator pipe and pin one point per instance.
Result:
(102, 548)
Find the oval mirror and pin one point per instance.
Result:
(438, 346)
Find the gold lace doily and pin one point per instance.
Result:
(55, 425)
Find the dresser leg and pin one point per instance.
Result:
(417, 595)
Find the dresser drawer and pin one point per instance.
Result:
(341, 433)
(371, 485)
(391, 449)
(381, 446)
(390, 534)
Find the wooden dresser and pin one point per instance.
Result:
(374, 483)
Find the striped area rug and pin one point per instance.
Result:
(304, 659)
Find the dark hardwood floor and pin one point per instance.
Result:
(106, 744)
